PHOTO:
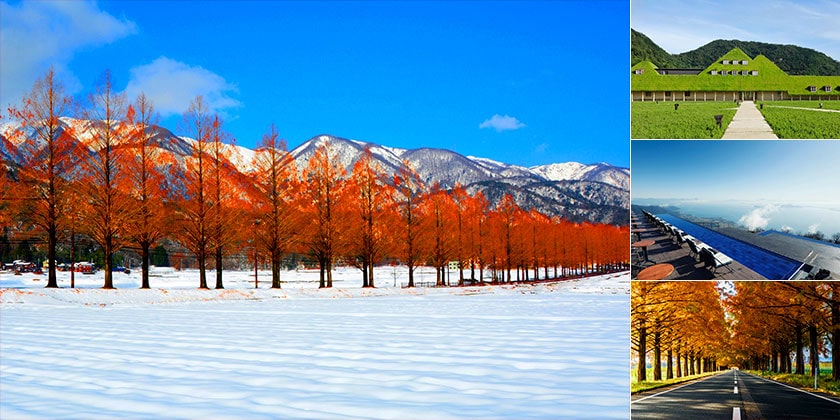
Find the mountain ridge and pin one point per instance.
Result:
(596, 193)
(793, 59)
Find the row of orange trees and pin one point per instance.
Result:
(106, 176)
(753, 325)
(681, 322)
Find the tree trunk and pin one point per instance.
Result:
(219, 265)
(144, 258)
(109, 274)
(692, 364)
(202, 274)
(370, 275)
(800, 354)
(275, 271)
(669, 374)
(679, 367)
(52, 280)
(410, 276)
(364, 275)
(329, 274)
(641, 372)
(657, 355)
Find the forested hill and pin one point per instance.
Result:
(794, 60)
(642, 48)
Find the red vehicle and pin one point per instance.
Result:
(85, 268)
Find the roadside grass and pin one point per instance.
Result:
(647, 385)
(693, 120)
(825, 383)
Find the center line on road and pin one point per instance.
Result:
(736, 413)
(736, 390)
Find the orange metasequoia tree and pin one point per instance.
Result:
(439, 218)
(409, 193)
(48, 161)
(322, 203)
(107, 207)
(460, 200)
(226, 195)
(149, 223)
(275, 180)
(195, 204)
(477, 212)
(369, 200)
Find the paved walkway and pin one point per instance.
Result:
(748, 123)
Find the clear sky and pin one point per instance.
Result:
(747, 171)
(521, 82)
(683, 25)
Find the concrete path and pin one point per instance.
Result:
(748, 123)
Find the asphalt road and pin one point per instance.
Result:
(716, 397)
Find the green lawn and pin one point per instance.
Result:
(803, 123)
(835, 105)
(693, 120)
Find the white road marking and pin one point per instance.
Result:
(736, 413)
(674, 389)
(736, 390)
(797, 389)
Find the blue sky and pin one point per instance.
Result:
(778, 172)
(787, 184)
(527, 83)
(683, 25)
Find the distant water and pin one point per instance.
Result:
(801, 219)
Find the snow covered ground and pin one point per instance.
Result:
(556, 350)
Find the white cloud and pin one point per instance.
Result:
(758, 218)
(171, 85)
(35, 35)
(814, 228)
(502, 123)
(786, 229)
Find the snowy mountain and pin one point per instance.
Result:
(579, 192)
(599, 172)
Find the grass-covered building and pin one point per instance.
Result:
(734, 76)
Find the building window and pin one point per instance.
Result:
(714, 72)
(723, 72)
(827, 88)
(744, 62)
(725, 61)
(688, 93)
(648, 94)
(744, 72)
(812, 88)
(668, 94)
(639, 71)
(755, 72)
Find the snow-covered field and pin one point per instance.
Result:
(556, 350)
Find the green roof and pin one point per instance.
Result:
(769, 77)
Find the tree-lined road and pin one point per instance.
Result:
(734, 395)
